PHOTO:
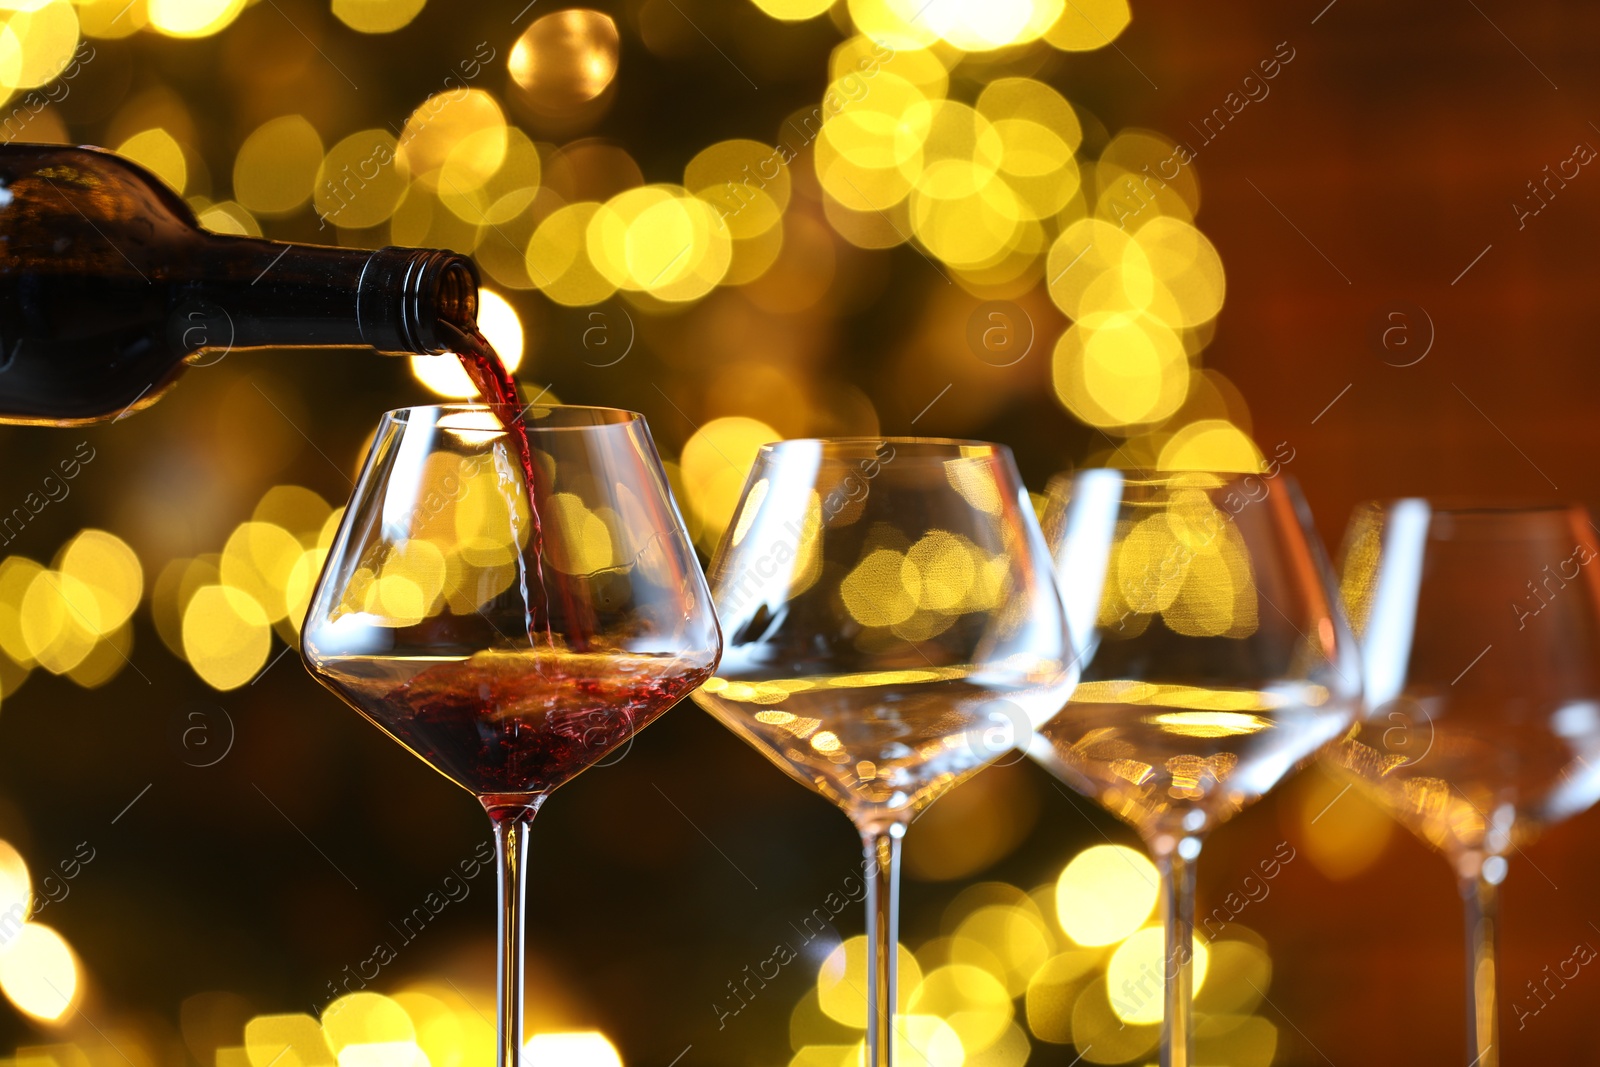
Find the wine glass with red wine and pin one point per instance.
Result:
(511, 634)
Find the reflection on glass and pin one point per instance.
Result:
(1215, 660)
(892, 627)
(1479, 628)
(511, 640)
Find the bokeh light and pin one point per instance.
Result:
(1105, 894)
(467, 124)
(193, 18)
(660, 240)
(60, 619)
(37, 41)
(557, 257)
(1211, 445)
(39, 973)
(970, 1000)
(970, 27)
(276, 168)
(377, 16)
(1001, 978)
(714, 464)
(296, 1037)
(565, 59)
(158, 152)
(112, 19)
(584, 1048)
(1135, 974)
(366, 1027)
(498, 321)
(16, 885)
(361, 181)
(1085, 25)
(1342, 831)
(226, 636)
(794, 10)
(842, 982)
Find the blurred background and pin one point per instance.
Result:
(1356, 234)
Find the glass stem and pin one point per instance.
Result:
(1482, 900)
(511, 823)
(882, 867)
(1175, 859)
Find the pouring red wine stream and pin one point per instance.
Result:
(498, 389)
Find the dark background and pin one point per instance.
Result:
(1376, 178)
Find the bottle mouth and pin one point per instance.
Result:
(457, 301)
(406, 293)
(441, 287)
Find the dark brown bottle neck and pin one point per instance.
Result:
(252, 292)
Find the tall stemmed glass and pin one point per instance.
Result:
(1480, 629)
(892, 626)
(1216, 660)
(507, 652)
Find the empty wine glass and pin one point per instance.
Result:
(1480, 633)
(892, 626)
(1215, 661)
(509, 638)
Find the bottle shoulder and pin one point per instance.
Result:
(86, 177)
(86, 212)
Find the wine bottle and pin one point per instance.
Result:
(109, 288)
